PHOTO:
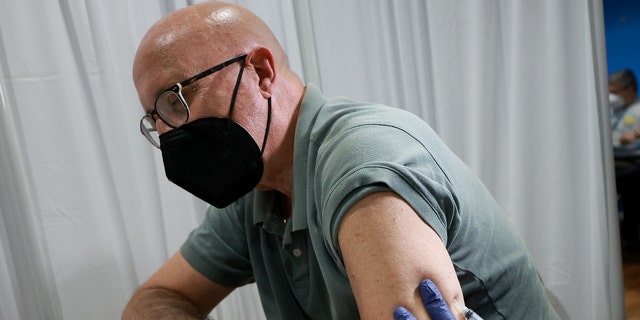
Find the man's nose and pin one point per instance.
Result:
(162, 127)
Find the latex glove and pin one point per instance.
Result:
(435, 304)
(433, 301)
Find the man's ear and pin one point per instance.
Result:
(262, 61)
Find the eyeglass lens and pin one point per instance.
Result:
(172, 108)
(148, 129)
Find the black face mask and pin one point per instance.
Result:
(215, 159)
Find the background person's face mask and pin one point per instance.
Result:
(615, 101)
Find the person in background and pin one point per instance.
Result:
(625, 123)
(335, 208)
(625, 119)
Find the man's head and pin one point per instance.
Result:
(194, 39)
(206, 76)
(623, 83)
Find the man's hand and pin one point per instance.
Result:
(630, 136)
(435, 305)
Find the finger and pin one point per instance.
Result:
(401, 313)
(433, 301)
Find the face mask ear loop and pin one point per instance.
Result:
(266, 130)
(235, 88)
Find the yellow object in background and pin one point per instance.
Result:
(629, 120)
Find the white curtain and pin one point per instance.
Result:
(515, 87)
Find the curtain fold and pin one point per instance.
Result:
(27, 290)
(613, 294)
(516, 88)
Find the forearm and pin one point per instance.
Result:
(160, 304)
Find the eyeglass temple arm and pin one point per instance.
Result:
(212, 70)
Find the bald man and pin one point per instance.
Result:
(336, 209)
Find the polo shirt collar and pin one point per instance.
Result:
(312, 102)
(267, 204)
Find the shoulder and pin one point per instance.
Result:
(344, 122)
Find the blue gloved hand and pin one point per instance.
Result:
(433, 301)
(435, 305)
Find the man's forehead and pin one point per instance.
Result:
(151, 77)
(158, 67)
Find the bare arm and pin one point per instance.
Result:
(175, 291)
(387, 249)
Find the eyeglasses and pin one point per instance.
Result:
(171, 107)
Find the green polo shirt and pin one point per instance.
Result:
(343, 151)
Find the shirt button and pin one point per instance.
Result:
(297, 253)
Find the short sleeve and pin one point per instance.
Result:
(372, 158)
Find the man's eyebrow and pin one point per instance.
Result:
(190, 90)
